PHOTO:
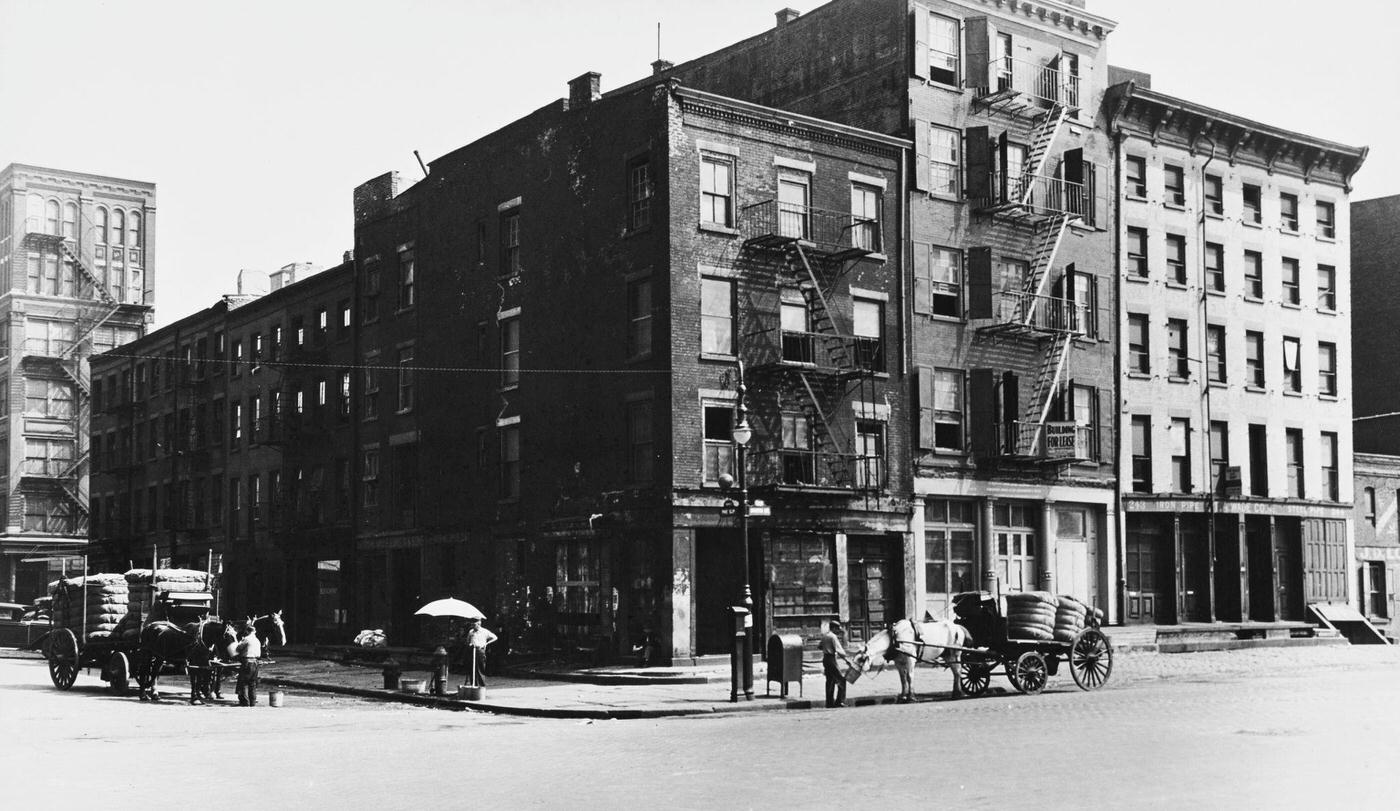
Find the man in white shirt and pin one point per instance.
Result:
(478, 637)
(249, 651)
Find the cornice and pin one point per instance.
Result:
(1056, 15)
(773, 120)
(98, 184)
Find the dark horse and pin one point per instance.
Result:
(164, 643)
(270, 631)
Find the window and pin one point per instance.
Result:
(323, 322)
(1142, 453)
(1326, 288)
(945, 156)
(1082, 289)
(717, 190)
(1219, 454)
(1253, 275)
(406, 281)
(1292, 368)
(510, 352)
(344, 402)
(716, 316)
(298, 331)
(1369, 504)
(1327, 369)
(794, 204)
(868, 330)
(47, 457)
(321, 395)
(48, 398)
(1176, 258)
(1326, 220)
(70, 221)
(870, 453)
(371, 392)
(639, 318)
(865, 217)
(1181, 455)
(1215, 195)
(406, 483)
(1293, 453)
(1292, 294)
(1288, 211)
(1137, 252)
(719, 443)
(1253, 204)
(510, 243)
(369, 478)
(405, 379)
(1375, 598)
(1215, 267)
(1135, 177)
(1083, 410)
(948, 410)
(235, 424)
(1178, 358)
(641, 450)
(1174, 181)
(1139, 346)
(938, 274)
(950, 541)
(101, 225)
(1215, 353)
(945, 49)
(135, 237)
(1254, 359)
(640, 190)
(510, 462)
(346, 319)
(1331, 480)
(369, 302)
(1258, 460)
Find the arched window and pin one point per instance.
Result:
(133, 230)
(70, 220)
(118, 226)
(51, 217)
(34, 214)
(101, 226)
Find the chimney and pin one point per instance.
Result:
(787, 15)
(252, 283)
(374, 198)
(348, 256)
(660, 66)
(584, 90)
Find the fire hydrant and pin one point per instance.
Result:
(392, 672)
(440, 671)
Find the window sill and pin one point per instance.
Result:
(628, 233)
(1140, 375)
(402, 411)
(400, 311)
(716, 228)
(950, 319)
(1330, 398)
(1257, 225)
(945, 196)
(1179, 380)
(1175, 206)
(1175, 285)
(1293, 232)
(1331, 240)
(1217, 293)
(1215, 215)
(1290, 305)
(1218, 384)
(1136, 198)
(1256, 389)
(639, 357)
(1254, 299)
(875, 257)
(504, 389)
(1292, 393)
(717, 358)
(1322, 311)
(1133, 277)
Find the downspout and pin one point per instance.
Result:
(1211, 485)
(1118, 137)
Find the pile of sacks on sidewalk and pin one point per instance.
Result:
(1040, 615)
(102, 596)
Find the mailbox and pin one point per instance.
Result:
(741, 654)
(784, 662)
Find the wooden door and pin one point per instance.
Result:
(872, 586)
(1147, 573)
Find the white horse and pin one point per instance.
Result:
(913, 643)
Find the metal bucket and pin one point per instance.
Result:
(467, 692)
(274, 698)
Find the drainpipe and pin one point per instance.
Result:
(1121, 519)
(1205, 388)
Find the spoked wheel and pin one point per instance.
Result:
(119, 673)
(63, 658)
(976, 677)
(1090, 659)
(1030, 673)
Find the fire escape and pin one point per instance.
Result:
(809, 354)
(1020, 189)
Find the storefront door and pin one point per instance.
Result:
(1148, 572)
(872, 586)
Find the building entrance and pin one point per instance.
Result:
(1148, 571)
(873, 585)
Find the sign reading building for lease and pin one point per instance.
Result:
(1063, 441)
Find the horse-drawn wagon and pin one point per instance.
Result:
(1026, 651)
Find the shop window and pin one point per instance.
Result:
(803, 577)
(718, 443)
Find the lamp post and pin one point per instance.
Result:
(741, 670)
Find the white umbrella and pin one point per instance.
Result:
(451, 607)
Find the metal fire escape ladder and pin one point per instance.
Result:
(1047, 381)
(1039, 152)
(1052, 234)
(823, 320)
(826, 433)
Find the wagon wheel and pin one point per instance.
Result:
(118, 673)
(1090, 659)
(1030, 673)
(63, 658)
(976, 677)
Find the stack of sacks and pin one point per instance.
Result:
(143, 596)
(1031, 615)
(106, 602)
(129, 629)
(1070, 616)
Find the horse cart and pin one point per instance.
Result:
(92, 634)
(1027, 662)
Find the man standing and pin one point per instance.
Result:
(478, 637)
(249, 651)
(831, 648)
(197, 665)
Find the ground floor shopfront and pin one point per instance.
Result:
(1001, 536)
(1190, 560)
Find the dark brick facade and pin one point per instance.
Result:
(1375, 256)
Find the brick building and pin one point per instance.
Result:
(1378, 539)
(1235, 316)
(77, 266)
(593, 275)
(1375, 256)
(1010, 297)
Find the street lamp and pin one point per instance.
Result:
(741, 661)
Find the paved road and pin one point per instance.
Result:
(1278, 729)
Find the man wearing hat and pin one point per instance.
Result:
(831, 648)
(249, 651)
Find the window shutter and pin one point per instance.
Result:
(979, 169)
(979, 38)
(1091, 326)
(1099, 201)
(1003, 173)
(1073, 162)
(979, 282)
(919, 66)
(1057, 92)
(925, 403)
(1010, 399)
(923, 180)
(922, 261)
(1095, 450)
(983, 404)
(1389, 591)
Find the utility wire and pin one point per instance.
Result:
(377, 367)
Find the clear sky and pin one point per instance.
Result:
(257, 119)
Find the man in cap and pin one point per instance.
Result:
(249, 651)
(832, 647)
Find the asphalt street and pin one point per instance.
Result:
(1285, 729)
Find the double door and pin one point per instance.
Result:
(875, 598)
